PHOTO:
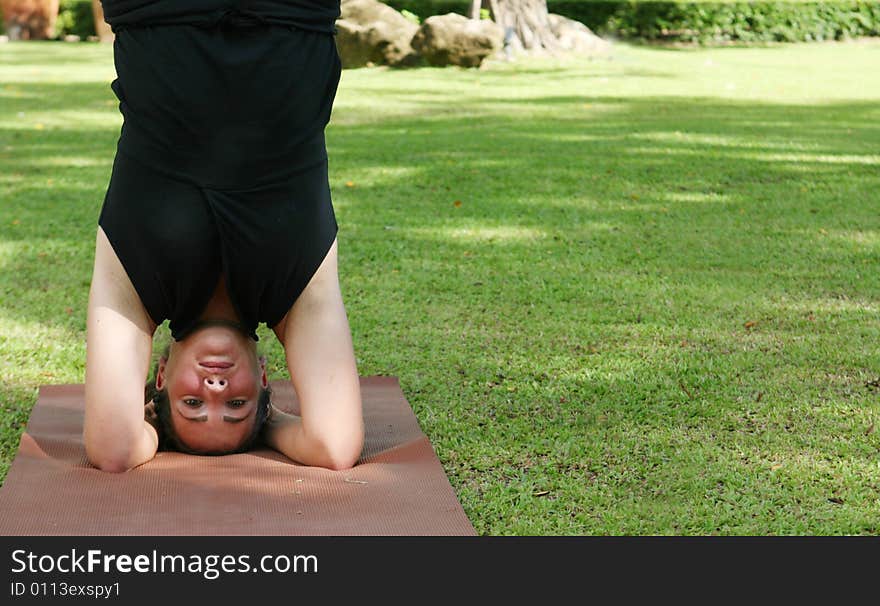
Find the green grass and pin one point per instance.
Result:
(655, 310)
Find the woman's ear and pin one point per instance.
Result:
(264, 380)
(160, 373)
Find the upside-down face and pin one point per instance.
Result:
(213, 378)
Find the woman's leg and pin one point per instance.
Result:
(320, 357)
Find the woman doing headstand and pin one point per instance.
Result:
(217, 218)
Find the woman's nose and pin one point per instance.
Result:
(215, 383)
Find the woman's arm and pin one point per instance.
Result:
(320, 357)
(119, 344)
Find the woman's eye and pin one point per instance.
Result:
(237, 403)
(192, 402)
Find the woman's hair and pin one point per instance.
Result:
(168, 439)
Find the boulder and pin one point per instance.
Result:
(372, 33)
(453, 39)
(576, 37)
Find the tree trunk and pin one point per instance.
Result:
(527, 21)
(476, 5)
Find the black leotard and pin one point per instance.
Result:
(221, 165)
(315, 15)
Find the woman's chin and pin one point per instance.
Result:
(217, 342)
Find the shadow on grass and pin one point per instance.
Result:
(652, 174)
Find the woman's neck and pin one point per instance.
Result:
(220, 306)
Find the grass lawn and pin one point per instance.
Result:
(627, 296)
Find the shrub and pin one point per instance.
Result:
(75, 17)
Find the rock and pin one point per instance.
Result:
(71, 38)
(576, 37)
(453, 39)
(369, 31)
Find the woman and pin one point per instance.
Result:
(218, 217)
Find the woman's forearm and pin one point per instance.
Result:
(286, 433)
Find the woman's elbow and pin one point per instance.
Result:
(341, 452)
(343, 458)
(107, 461)
(113, 456)
(341, 462)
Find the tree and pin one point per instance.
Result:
(525, 23)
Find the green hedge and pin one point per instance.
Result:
(703, 22)
(747, 21)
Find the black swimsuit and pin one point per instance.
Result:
(221, 164)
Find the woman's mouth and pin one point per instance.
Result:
(215, 364)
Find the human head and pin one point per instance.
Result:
(210, 391)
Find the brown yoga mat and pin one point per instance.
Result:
(398, 486)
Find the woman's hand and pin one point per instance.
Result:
(275, 421)
(150, 415)
(282, 431)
